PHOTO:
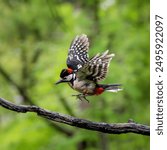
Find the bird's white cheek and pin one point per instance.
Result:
(69, 77)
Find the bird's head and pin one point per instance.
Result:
(66, 75)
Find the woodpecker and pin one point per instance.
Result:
(83, 74)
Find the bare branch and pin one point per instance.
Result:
(114, 128)
(26, 98)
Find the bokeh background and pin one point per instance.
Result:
(34, 39)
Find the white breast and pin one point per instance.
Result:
(83, 86)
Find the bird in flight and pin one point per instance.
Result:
(83, 74)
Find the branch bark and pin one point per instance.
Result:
(113, 128)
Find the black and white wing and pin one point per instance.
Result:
(96, 68)
(77, 54)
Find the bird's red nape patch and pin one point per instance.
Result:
(69, 70)
(99, 90)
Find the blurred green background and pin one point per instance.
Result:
(34, 39)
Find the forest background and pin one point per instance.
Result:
(34, 39)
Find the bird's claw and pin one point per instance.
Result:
(81, 97)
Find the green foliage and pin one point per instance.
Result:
(34, 39)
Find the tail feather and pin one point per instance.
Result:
(111, 87)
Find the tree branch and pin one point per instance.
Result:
(114, 128)
(22, 90)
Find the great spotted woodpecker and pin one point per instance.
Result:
(82, 73)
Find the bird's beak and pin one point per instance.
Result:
(60, 81)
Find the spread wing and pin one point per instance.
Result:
(77, 53)
(96, 68)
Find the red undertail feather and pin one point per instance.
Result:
(99, 90)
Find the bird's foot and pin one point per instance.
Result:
(81, 97)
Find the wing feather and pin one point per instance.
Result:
(96, 68)
(78, 52)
